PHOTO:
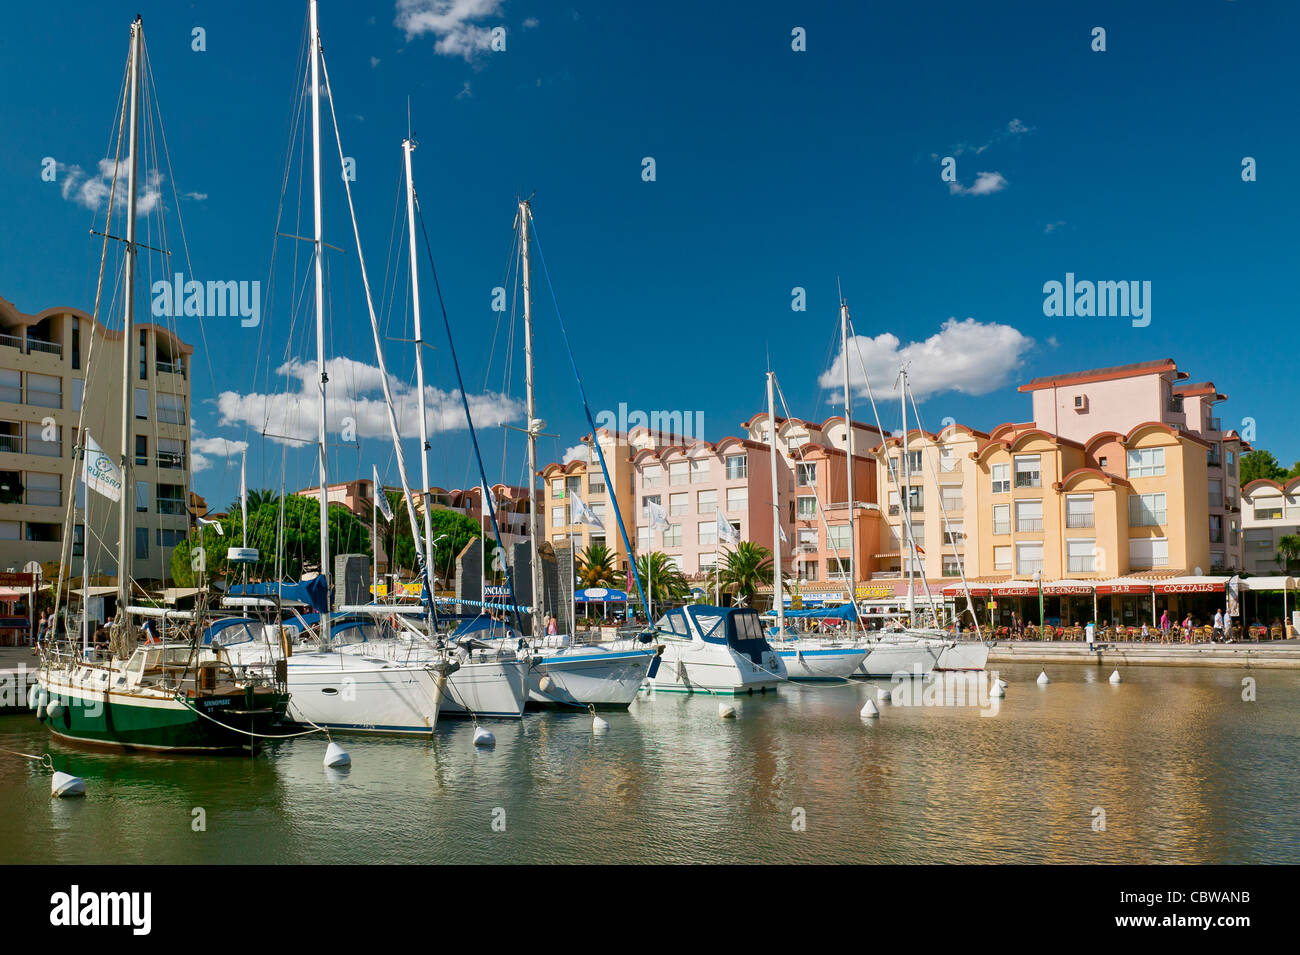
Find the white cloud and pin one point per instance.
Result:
(531, 23)
(986, 183)
(92, 191)
(374, 61)
(578, 452)
(1053, 226)
(465, 92)
(1011, 130)
(453, 23)
(355, 392)
(970, 357)
(196, 196)
(202, 450)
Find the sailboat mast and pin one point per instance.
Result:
(848, 425)
(534, 528)
(408, 146)
(907, 500)
(318, 246)
(778, 597)
(124, 506)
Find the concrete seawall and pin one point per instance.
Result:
(1279, 654)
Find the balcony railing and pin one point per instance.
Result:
(947, 465)
(1214, 424)
(1081, 565)
(11, 341)
(952, 507)
(11, 443)
(1030, 566)
(169, 459)
(41, 345)
(1029, 480)
(893, 510)
(170, 367)
(1031, 525)
(1001, 527)
(1079, 520)
(170, 506)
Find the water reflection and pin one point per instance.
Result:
(1183, 769)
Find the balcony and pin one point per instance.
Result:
(1001, 527)
(170, 367)
(1213, 424)
(11, 341)
(1028, 567)
(947, 465)
(11, 443)
(167, 459)
(41, 345)
(1079, 520)
(894, 510)
(952, 507)
(1029, 480)
(1081, 565)
(1029, 525)
(171, 506)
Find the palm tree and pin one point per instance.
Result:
(659, 573)
(1288, 551)
(744, 569)
(257, 496)
(596, 567)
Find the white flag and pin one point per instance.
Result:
(99, 472)
(727, 533)
(585, 514)
(381, 499)
(658, 516)
(781, 530)
(204, 522)
(489, 502)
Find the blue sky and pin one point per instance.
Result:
(774, 169)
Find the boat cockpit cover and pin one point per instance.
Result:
(315, 593)
(231, 630)
(842, 612)
(674, 622)
(484, 626)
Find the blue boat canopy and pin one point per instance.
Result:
(842, 612)
(314, 593)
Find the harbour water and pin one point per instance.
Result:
(1184, 769)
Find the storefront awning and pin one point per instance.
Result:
(1191, 585)
(1268, 583)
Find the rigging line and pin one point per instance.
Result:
(469, 420)
(586, 407)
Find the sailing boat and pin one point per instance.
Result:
(172, 692)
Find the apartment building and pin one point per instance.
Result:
(1082, 405)
(58, 368)
(1270, 510)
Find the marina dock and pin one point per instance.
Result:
(1276, 654)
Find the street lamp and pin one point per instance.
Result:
(1038, 579)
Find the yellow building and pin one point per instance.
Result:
(47, 387)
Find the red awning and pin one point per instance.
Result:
(1068, 588)
(1015, 590)
(1190, 587)
(1104, 589)
(976, 590)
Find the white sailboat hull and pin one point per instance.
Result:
(822, 662)
(345, 693)
(689, 667)
(888, 658)
(588, 676)
(964, 655)
(494, 688)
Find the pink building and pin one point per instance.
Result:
(1085, 406)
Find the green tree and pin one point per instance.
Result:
(1288, 551)
(664, 583)
(451, 531)
(744, 569)
(596, 567)
(1261, 464)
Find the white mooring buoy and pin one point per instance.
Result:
(598, 725)
(336, 757)
(1043, 679)
(997, 691)
(726, 711)
(869, 710)
(65, 784)
(1114, 676)
(882, 695)
(483, 737)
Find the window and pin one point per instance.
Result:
(171, 409)
(596, 484)
(141, 543)
(735, 528)
(893, 504)
(169, 536)
(916, 498)
(950, 497)
(1212, 458)
(1146, 510)
(40, 532)
(737, 498)
(805, 475)
(839, 568)
(11, 386)
(1148, 552)
(45, 391)
(142, 496)
(677, 472)
(796, 441)
(1080, 555)
(1001, 474)
(679, 504)
(1029, 516)
(707, 533)
(171, 453)
(643, 539)
(78, 387)
(808, 571)
(48, 445)
(557, 516)
(557, 489)
(807, 507)
(1101, 462)
(645, 502)
(1028, 470)
(954, 533)
(142, 450)
(142, 403)
(947, 460)
(1216, 492)
(1146, 462)
(700, 471)
(76, 345)
(893, 467)
(652, 477)
(1002, 557)
(838, 538)
(1029, 558)
(706, 502)
(1268, 509)
(1078, 510)
(144, 370)
(44, 490)
(1001, 518)
(808, 538)
(951, 565)
(673, 535)
(598, 508)
(737, 467)
(78, 540)
(572, 486)
(1216, 528)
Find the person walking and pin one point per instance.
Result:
(1187, 629)
(1164, 626)
(1218, 625)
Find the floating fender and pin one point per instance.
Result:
(40, 708)
(1114, 676)
(483, 737)
(545, 684)
(32, 693)
(65, 784)
(336, 757)
(1043, 679)
(726, 711)
(54, 710)
(598, 725)
(883, 696)
(869, 710)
